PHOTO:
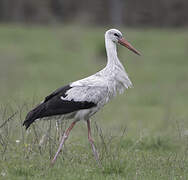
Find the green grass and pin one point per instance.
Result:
(141, 134)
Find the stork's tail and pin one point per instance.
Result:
(34, 114)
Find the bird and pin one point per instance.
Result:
(81, 99)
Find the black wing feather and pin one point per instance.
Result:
(61, 90)
(54, 105)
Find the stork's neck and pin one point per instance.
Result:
(115, 70)
(111, 51)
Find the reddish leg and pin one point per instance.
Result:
(64, 137)
(92, 143)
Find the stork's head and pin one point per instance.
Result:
(116, 36)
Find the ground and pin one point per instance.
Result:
(141, 134)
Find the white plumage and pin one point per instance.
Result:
(102, 86)
(83, 98)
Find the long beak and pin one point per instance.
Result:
(125, 43)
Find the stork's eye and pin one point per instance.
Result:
(115, 34)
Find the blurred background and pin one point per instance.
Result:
(160, 13)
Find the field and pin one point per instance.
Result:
(140, 135)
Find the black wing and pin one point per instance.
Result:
(54, 105)
(61, 90)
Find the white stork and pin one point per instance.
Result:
(81, 99)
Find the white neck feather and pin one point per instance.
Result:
(111, 51)
(114, 66)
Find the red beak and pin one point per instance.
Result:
(125, 43)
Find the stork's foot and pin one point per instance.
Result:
(95, 153)
(59, 149)
(65, 136)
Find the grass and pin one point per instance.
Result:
(141, 134)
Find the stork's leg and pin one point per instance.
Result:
(64, 137)
(92, 142)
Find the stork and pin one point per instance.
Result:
(81, 99)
